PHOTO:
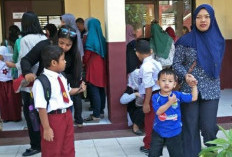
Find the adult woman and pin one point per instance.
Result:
(67, 41)
(205, 45)
(31, 35)
(95, 64)
(69, 20)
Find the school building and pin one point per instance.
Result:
(112, 14)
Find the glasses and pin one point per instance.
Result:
(66, 31)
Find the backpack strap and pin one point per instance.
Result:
(46, 87)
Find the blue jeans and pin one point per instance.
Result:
(174, 145)
(98, 98)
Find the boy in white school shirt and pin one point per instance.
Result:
(57, 132)
(148, 75)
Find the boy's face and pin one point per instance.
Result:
(60, 65)
(166, 83)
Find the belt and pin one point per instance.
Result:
(59, 111)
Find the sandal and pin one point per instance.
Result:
(137, 132)
(92, 119)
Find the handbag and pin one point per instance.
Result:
(179, 84)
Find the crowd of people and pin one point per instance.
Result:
(69, 54)
(73, 58)
(192, 63)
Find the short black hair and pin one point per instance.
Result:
(167, 71)
(49, 53)
(143, 46)
(80, 20)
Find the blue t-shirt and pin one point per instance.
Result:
(169, 123)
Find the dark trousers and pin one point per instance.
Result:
(33, 135)
(98, 98)
(174, 145)
(198, 116)
(136, 114)
(77, 103)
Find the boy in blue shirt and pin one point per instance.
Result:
(167, 125)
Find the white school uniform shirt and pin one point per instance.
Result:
(5, 72)
(148, 75)
(56, 101)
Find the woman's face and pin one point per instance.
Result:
(65, 44)
(203, 20)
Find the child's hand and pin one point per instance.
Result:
(137, 94)
(48, 134)
(172, 98)
(146, 108)
(194, 83)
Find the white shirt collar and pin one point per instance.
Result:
(51, 73)
(147, 59)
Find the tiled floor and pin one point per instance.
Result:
(111, 147)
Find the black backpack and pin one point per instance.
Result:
(46, 87)
(33, 113)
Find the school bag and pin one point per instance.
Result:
(33, 113)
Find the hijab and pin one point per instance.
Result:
(95, 40)
(133, 79)
(171, 33)
(69, 20)
(160, 41)
(130, 34)
(210, 45)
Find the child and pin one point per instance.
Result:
(167, 125)
(147, 85)
(10, 102)
(57, 132)
(134, 102)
